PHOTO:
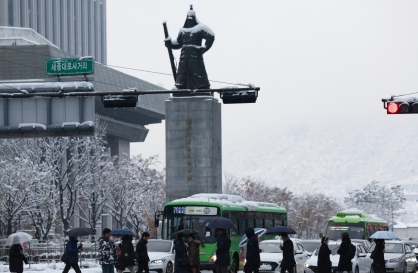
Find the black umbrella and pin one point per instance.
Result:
(219, 222)
(186, 232)
(81, 232)
(279, 230)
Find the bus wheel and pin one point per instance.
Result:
(234, 265)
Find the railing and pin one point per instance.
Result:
(49, 254)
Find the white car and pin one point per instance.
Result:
(271, 256)
(361, 261)
(161, 255)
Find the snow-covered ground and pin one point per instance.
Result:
(55, 267)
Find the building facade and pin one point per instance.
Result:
(75, 26)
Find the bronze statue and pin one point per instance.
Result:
(191, 73)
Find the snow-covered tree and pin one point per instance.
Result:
(19, 180)
(380, 200)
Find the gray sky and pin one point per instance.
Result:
(317, 62)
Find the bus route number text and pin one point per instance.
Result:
(179, 210)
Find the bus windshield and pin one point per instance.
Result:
(334, 230)
(179, 220)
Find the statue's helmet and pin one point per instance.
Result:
(191, 20)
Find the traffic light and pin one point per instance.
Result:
(406, 106)
(115, 101)
(239, 97)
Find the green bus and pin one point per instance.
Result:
(192, 211)
(358, 224)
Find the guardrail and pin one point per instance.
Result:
(49, 254)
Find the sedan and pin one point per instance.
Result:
(271, 256)
(398, 256)
(161, 255)
(361, 261)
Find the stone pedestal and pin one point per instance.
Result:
(193, 146)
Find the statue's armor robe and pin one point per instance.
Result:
(191, 72)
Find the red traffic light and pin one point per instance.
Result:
(392, 108)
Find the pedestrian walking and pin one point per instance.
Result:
(324, 260)
(288, 261)
(378, 256)
(347, 251)
(72, 249)
(142, 251)
(253, 252)
(107, 252)
(181, 260)
(223, 244)
(16, 258)
(194, 253)
(126, 258)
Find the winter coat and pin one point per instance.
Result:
(223, 244)
(344, 263)
(288, 254)
(142, 251)
(72, 250)
(378, 257)
(253, 251)
(181, 252)
(16, 259)
(127, 256)
(194, 253)
(324, 260)
(107, 251)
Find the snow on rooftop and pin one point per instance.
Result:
(353, 216)
(225, 199)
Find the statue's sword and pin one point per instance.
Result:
(170, 54)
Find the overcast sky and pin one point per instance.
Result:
(317, 62)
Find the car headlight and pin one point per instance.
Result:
(213, 259)
(158, 261)
(307, 265)
(396, 260)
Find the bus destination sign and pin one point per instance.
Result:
(195, 210)
(75, 66)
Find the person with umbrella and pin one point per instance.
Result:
(288, 261)
(17, 258)
(107, 252)
(181, 261)
(72, 250)
(378, 256)
(126, 258)
(253, 252)
(193, 251)
(324, 260)
(142, 251)
(223, 258)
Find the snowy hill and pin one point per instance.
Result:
(332, 159)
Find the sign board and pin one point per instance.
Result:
(76, 66)
(188, 210)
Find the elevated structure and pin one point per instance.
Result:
(124, 125)
(75, 26)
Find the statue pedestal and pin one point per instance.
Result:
(193, 146)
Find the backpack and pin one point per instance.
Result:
(352, 252)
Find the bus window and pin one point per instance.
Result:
(225, 214)
(268, 223)
(259, 223)
(250, 223)
(236, 222)
(242, 226)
